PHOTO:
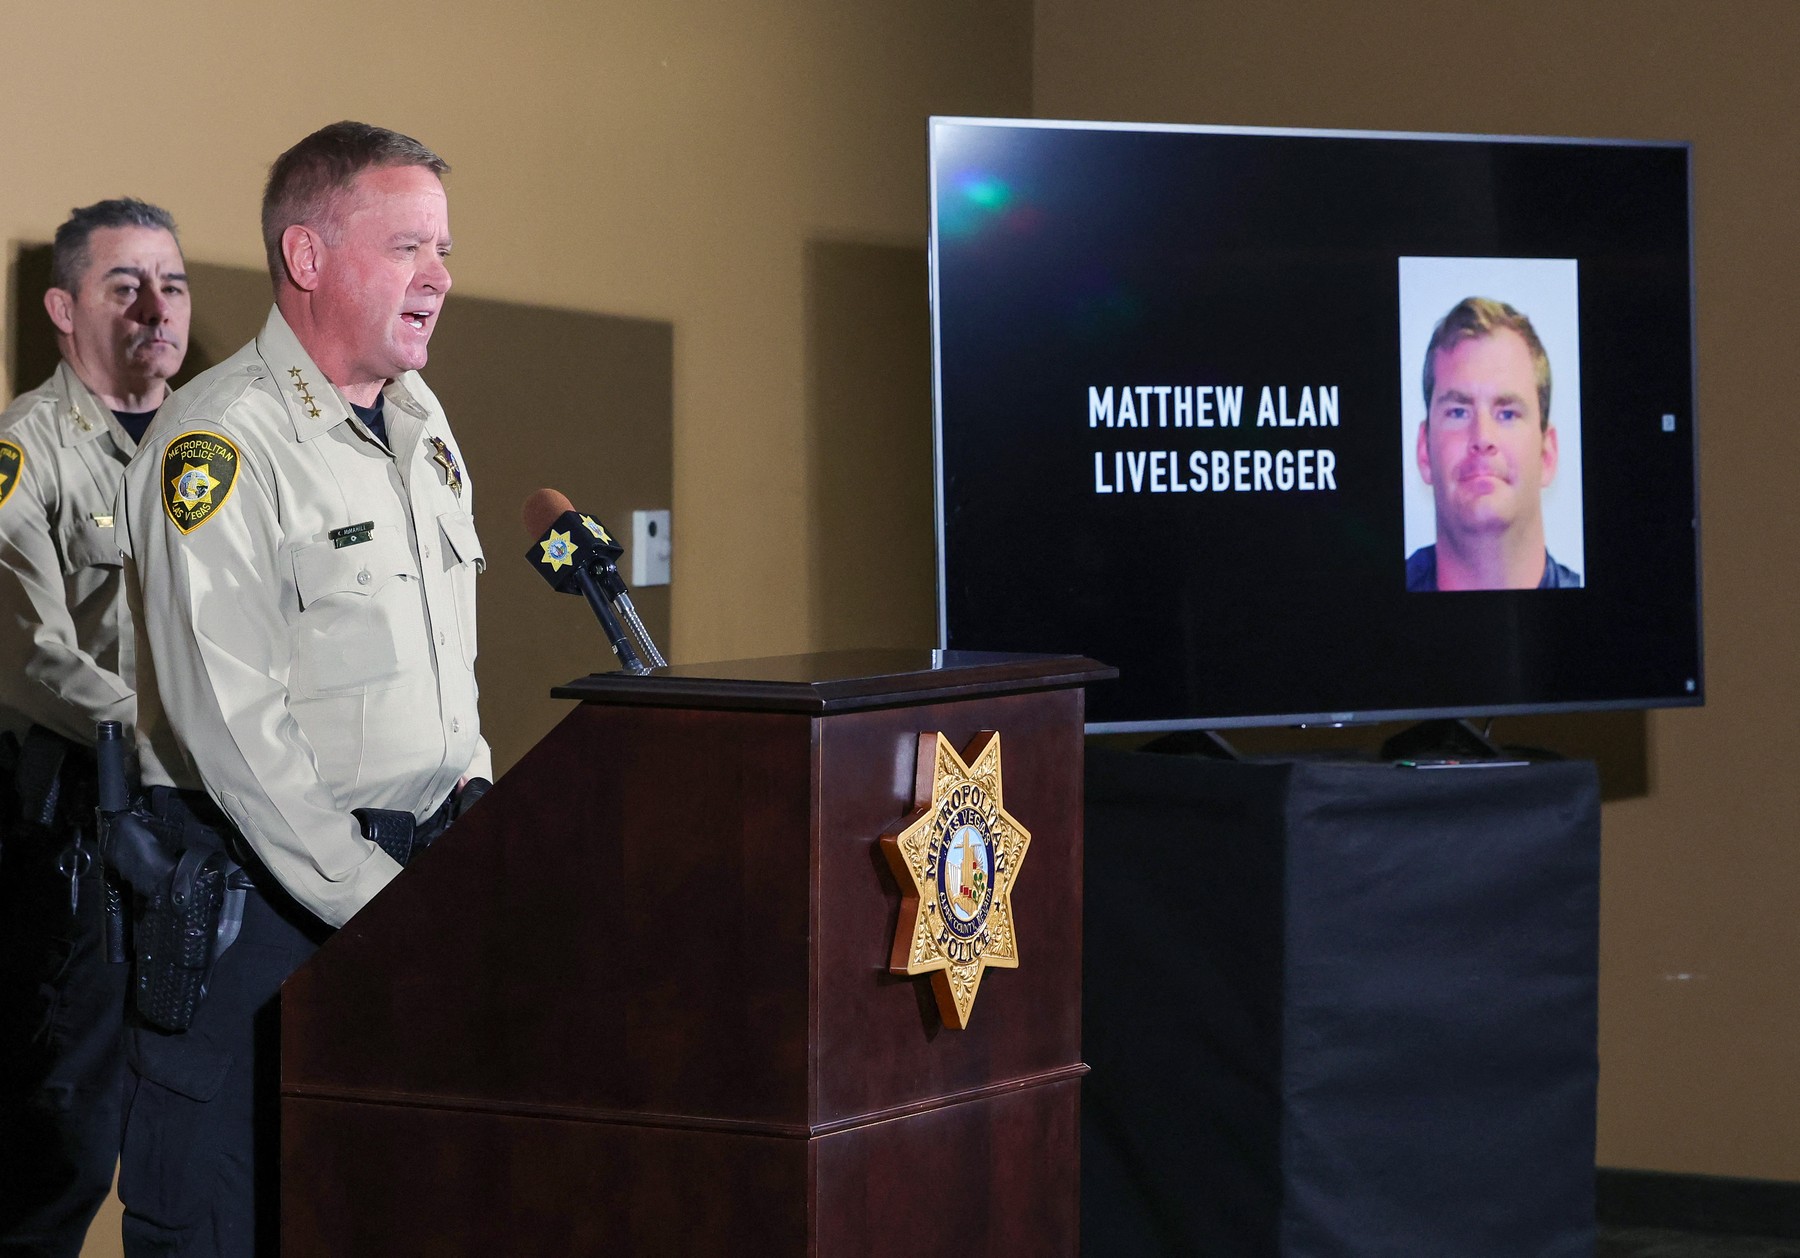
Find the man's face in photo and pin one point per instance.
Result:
(1484, 448)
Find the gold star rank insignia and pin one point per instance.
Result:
(596, 528)
(440, 454)
(956, 860)
(559, 551)
(199, 470)
(12, 462)
(307, 401)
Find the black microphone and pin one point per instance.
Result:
(576, 555)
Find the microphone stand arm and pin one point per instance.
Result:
(614, 586)
(615, 632)
(623, 603)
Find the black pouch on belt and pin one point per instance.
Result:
(400, 836)
(390, 830)
(37, 779)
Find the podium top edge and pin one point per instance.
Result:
(838, 681)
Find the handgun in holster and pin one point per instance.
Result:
(189, 894)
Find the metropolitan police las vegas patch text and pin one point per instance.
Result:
(198, 472)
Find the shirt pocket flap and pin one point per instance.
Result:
(459, 531)
(322, 569)
(93, 545)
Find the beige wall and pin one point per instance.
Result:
(1700, 933)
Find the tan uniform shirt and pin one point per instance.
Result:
(65, 633)
(307, 597)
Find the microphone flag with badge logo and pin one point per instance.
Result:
(566, 542)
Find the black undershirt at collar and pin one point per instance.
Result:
(372, 418)
(135, 422)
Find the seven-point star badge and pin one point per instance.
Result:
(559, 551)
(956, 860)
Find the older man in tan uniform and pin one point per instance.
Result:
(301, 549)
(119, 301)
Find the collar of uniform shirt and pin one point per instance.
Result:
(84, 418)
(313, 403)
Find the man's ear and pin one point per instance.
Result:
(1422, 450)
(59, 303)
(303, 253)
(1552, 453)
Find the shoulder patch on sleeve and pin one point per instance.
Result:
(198, 472)
(12, 462)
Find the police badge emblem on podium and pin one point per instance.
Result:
(957, 859)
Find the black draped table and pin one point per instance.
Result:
(1339, 1009)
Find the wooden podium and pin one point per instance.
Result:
(638, 1001)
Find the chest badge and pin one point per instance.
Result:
(956, 860)
(199, 470)
(440, 454)
(12, 462)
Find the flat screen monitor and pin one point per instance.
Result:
(1312, 426)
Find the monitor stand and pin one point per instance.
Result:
(1442, 742)
(1204, 743)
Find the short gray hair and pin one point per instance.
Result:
(305, 182)
(69, 252)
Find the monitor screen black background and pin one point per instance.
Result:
(1066, 257)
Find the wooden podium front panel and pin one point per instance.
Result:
(621, 928)
(881, 1044)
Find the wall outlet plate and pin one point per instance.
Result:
(650, 548)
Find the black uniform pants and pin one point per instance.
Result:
(199, 1173)
(62, 1010)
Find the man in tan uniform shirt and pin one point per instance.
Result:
(119, 302)
(302, 555)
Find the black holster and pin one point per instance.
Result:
(189, 892)
(178, 938)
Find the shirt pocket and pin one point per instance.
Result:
(89, 545)
(459, 532)
(360, 616)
